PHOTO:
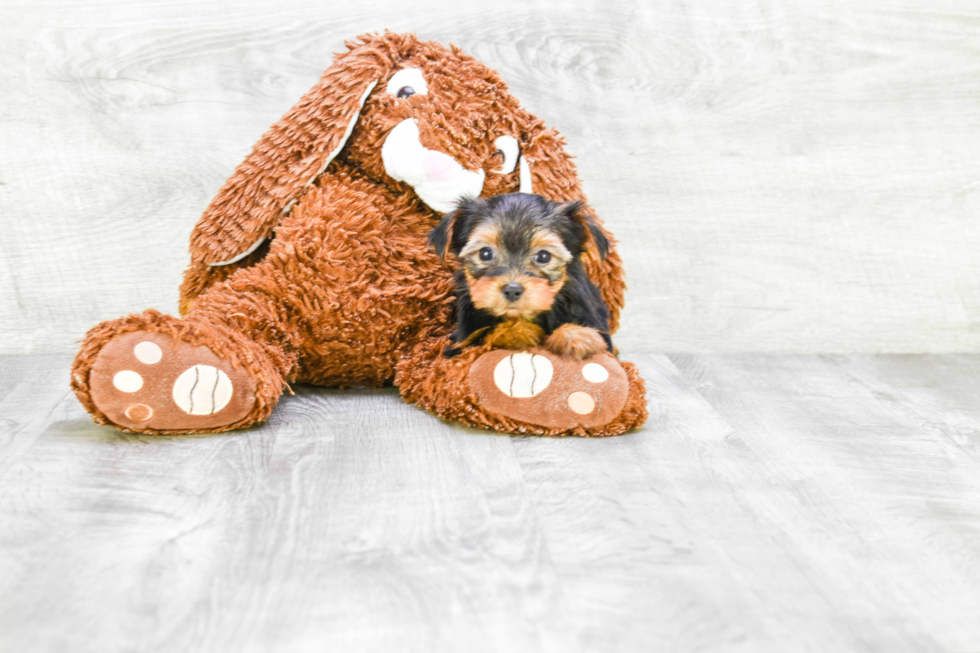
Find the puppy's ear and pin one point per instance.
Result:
(439, 237)
(579, 213)
(455, 228)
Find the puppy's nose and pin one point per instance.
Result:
(513, 291)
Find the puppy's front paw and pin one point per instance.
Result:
(574, 341)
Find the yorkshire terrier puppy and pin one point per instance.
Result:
(521, 268)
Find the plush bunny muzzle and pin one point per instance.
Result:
(438, 179)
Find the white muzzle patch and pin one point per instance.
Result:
(438, 179)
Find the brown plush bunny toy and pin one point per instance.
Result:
(311, 265)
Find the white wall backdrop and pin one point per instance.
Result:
(782, 174)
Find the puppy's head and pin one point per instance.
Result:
(516, 249)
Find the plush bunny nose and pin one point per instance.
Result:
(513, 291)
(438, 166)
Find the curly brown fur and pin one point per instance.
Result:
(520, 260)
(346, 287)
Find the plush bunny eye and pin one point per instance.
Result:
(508, 147)
(407, 82)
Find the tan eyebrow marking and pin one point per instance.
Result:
(481, 237)
(551, 242)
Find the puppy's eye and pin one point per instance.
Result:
(542, 257)
(406, 91)
(486, 254)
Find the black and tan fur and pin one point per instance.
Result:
(520, 260)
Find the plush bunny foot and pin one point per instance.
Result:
(534, 391)
(157, 374)
(151, 381)
(539, 387)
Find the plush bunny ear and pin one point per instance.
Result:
(295, 150)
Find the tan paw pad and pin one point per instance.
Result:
(139, 412)
(127, 381)
(595, 373)
(148, 353)
(581, 403)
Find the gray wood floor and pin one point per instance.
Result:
(772, 503)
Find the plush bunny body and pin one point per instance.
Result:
(311, 264)
(346, 286)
